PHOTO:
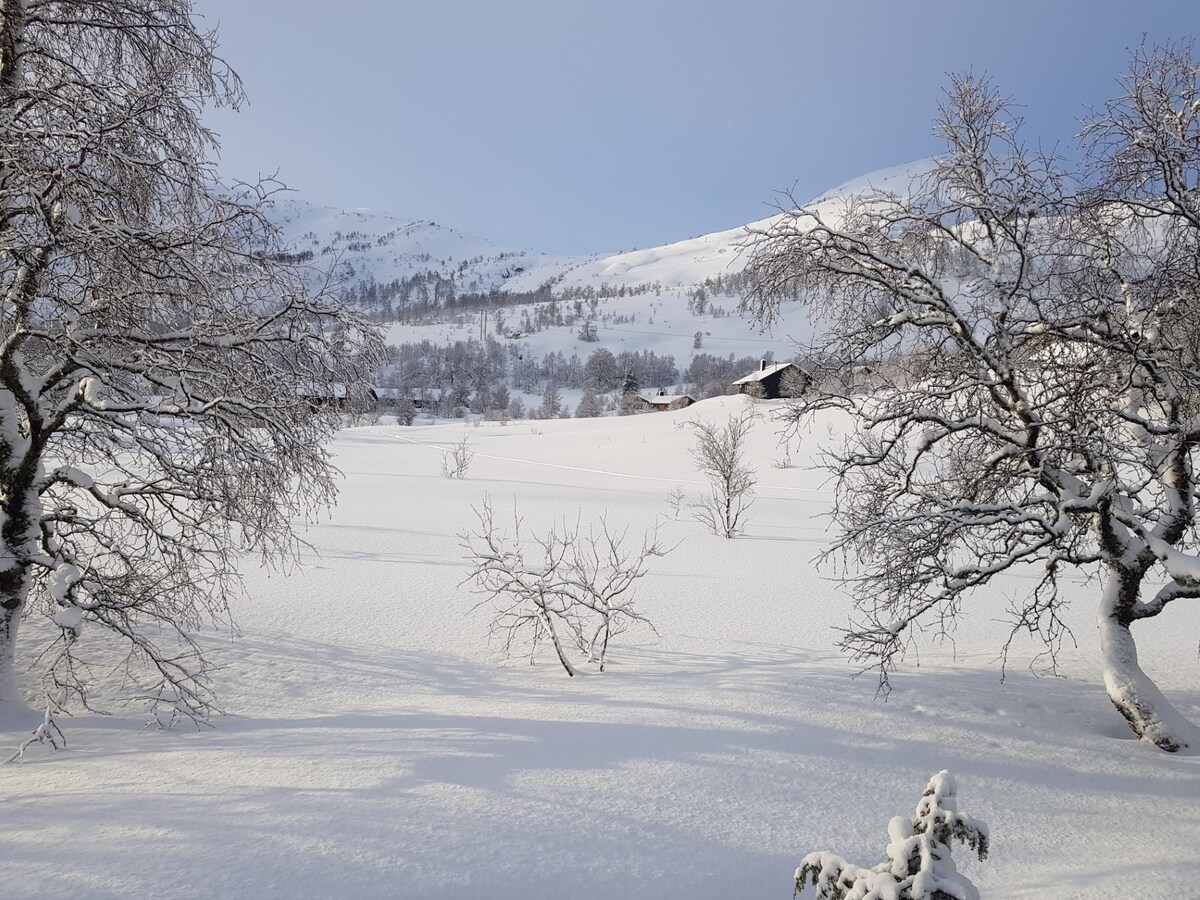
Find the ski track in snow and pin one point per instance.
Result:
(446, 448)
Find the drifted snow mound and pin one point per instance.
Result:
(918, 867)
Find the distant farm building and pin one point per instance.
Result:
(421, 398)
(323, 394)
(661, 401)
(772, 381)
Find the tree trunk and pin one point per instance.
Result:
(17, 539)
(14, 714)
(12, 25)
(548, 624)
(1136, 697)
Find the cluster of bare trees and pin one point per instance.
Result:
(161, 372)
(1043, 411)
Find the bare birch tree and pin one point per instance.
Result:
(720, 456)
(1044, 407)
(166, 386)
(457, 459)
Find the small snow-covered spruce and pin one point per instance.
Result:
(919, 865)
(629, 385)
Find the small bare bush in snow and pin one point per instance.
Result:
(720, 456)
(457, 459)
(569, 587)
(919, 865)
(675, 498)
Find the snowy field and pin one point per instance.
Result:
(376, 745)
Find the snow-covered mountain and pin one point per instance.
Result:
(678, 303)
(691, 262)
(365, 246)
(433, 283)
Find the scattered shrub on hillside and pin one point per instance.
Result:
(629, 404)
(406, 411)
(590, 406)
(675, 498)
(551, 403)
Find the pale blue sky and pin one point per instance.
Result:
(578, 127)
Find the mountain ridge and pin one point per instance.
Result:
(362, 247)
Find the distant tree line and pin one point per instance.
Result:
(474, 376)
(426, 295)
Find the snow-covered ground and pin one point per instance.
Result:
(663, 325)
(377, 746)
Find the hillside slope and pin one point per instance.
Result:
(365, 245)
(441, 285)
(687, 263)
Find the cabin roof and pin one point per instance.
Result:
(765, 372)
(656, 397)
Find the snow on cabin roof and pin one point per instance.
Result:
(764, 372)
(657, 397)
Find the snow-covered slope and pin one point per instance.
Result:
(370, 245)
(681, 298)
(687, 263)
(679, 265)
(657, 299)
